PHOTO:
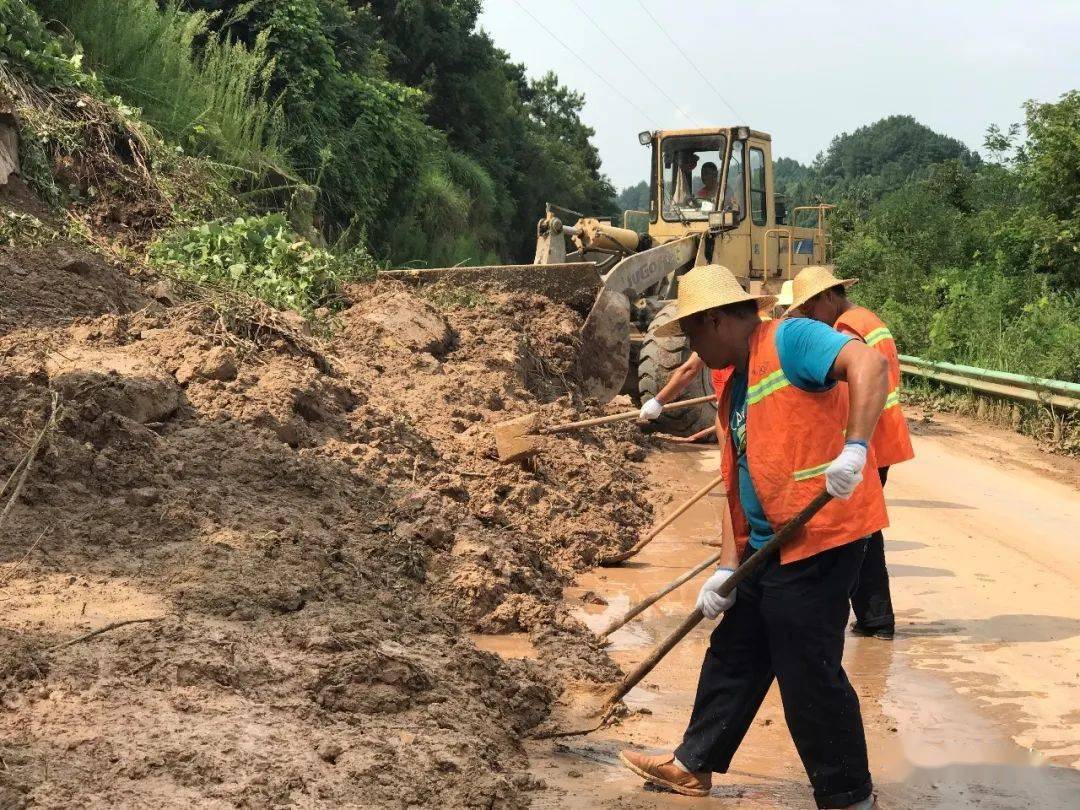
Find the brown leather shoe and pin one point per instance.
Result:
(662, 770)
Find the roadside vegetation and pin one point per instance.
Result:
(263, 257)
(207, 95)
(401, 126)
(312, 133)
(970, 261)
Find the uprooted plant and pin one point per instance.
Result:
(262, 257)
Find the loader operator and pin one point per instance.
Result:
(687, 161)
(788, 430)
(710, 181)
(818, 294)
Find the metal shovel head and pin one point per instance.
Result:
(515, 438)
(604, 357)
(581, 708)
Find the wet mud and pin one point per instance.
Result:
(338, 597)
(310, 535)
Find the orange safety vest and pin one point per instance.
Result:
(891, 441)
(791, 437)
(720, 379)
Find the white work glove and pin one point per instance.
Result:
(709, 600)
(651, 410)
(845, 473)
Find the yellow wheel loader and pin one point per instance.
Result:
(711, 201)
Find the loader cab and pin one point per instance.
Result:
(690, 179)
(740, 216)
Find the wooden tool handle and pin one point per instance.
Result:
(749, 565)
(619, 417)
(663, 524)
(754, 561)
(662, 649)
(660, 594)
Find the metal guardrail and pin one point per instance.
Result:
(1056, 393)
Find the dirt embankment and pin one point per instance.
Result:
(314, 528)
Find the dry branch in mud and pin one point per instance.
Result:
(101, 630)
(26, 464)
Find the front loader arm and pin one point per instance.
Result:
(604, 355)
(639, 271)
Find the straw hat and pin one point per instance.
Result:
(813, 280)
(785, 297)
(705, 288)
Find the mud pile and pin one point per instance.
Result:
(311, 535)
(507, 354)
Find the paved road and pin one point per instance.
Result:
(977, 701)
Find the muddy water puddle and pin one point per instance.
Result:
(506, 645)
(929, 745)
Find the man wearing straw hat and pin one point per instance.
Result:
(820, 295)
(787, 431)
(689, 371)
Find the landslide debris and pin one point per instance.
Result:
(315, 527)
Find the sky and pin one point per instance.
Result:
(802, 72)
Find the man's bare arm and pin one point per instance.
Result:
(681, 379)
(867, 374)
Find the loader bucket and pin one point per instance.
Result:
(573, 283)
(604, 357)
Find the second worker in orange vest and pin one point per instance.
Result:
(788, 430)
(818, 294)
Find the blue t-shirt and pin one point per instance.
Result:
(807, 351)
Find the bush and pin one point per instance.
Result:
(27, 48)
(262, 257)
(1008, 323)
(399, 112)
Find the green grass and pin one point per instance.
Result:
(207, 94)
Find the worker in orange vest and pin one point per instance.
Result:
(788, 431)
(819, 294)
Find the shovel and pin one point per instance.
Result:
(590, 712)
(615, 559)
(514, 438)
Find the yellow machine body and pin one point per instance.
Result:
(756, 239)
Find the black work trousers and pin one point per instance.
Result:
(788, 622)
(872, 600)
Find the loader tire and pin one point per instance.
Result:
(657, 361)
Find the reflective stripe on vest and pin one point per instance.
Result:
(768, 385)
(878, 335)
(893, 399)
(811, 472)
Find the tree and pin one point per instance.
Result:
(634, 198)
(468, 134)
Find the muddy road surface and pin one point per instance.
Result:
(974, 704)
